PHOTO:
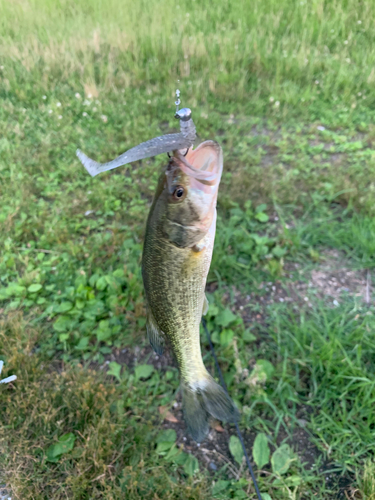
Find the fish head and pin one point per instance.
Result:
(191, 186)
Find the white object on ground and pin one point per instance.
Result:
(8, 379)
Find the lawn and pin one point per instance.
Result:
(287, 89)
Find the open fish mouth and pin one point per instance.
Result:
(204, 164)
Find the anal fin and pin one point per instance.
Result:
(154, 334)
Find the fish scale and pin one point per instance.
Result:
(178, 310)
(177, 254)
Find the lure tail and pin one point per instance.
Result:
(205, 399)
(153, 147)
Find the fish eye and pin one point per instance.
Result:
(179, 193)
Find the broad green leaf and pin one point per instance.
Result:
(83, 343)
(119, 273)
(262, 217)
(80, 304)
(266, 496)
(14, 304)
(87, 326)
(34, 288)
(168, 435)
(101, 284)
(267, 367)
(53, 453)
(248, 336)
(225, 318)
(94, 278)
(261, 208)
(164, 446)
(263, 371)
(64, 307)
(181, 458)
(64, 445)
(67, 441)
(220, 486)
(293, 480)
(103, 334)
(94, 308)
(104, 324)
(236, 449)
(165, 441)
(241, 494)
(212, 309)
(191, 466)
(114, 369)
(287, 481)
(14, 289)
(281, 459)
(260, 240)
(226, 337)
(279, 251)
(172, 453)
(111, 280)
(261, 451)
(63, 323)
(215, 338)
(143, 371)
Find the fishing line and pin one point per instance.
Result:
(237, 426)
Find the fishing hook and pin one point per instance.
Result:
(187, 150)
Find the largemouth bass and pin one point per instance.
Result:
(177, 254)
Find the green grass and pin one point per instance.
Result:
(293, 53)
(368, 484)
(102, 76)
(114, 446)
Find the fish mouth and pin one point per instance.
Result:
(205, 163)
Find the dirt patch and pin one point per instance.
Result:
(336, 283)
(333, 278)
(330, 280)
(130, 357)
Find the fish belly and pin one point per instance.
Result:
(175, 280)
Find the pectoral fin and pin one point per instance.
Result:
(154, 334)
(205, 306)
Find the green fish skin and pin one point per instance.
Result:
(177, 253)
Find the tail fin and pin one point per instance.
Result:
(204, 399)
